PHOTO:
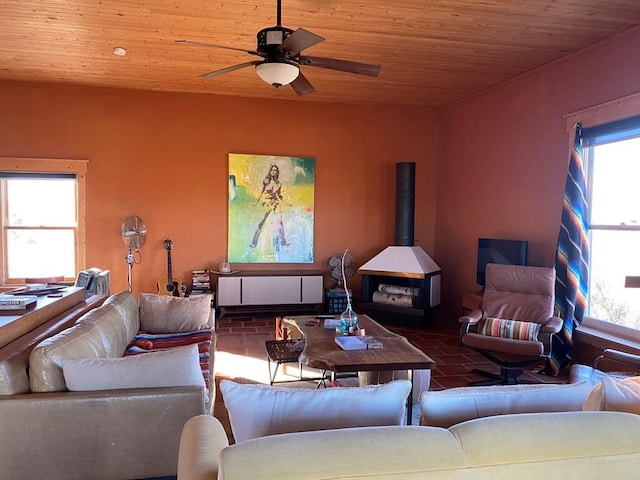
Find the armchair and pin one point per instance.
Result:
(515, 326)
(95, 281)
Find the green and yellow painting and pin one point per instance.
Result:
(270, 209)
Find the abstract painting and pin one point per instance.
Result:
(271, 209)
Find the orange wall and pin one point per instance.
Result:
(163, 157)
(503, 157)
(498, 162)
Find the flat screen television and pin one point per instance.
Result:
(497, 250)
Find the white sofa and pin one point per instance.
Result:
(584, 445)
(509, 431)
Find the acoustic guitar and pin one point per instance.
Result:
(170, 285)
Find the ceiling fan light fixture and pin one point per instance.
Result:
(277, 73)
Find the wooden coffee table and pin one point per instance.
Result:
(322, 352)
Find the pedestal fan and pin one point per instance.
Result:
(134, 234)
(335, 264)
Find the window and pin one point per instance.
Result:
(612, 155)
(42, 204)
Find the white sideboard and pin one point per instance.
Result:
(255, 289)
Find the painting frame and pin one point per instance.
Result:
(271, 209)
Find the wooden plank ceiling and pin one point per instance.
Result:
(431, 52)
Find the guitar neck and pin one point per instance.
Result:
(169, 273)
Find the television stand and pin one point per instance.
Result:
(270, 291)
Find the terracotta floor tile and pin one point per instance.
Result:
(453, 369)
(453, 381)
(244, 337)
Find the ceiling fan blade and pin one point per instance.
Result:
(301, 85)
(341, 65)
(299, 40)
(233, 68)
(204, 44)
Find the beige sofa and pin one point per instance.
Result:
(125, 433)
(585, 445)
(28, 331)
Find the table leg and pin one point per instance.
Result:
(410, 397)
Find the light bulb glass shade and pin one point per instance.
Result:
(276, 73)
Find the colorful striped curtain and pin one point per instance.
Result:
(572, 257)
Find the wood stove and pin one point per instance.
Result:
(402, 280)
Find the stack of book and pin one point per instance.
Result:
(200, 281)
(17, 302)
(358, 342)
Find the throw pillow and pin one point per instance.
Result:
(166, 314)
(148, 342)
(620, 395)
(501, 327)
(261, 410)
(445, 408)
(167, 368)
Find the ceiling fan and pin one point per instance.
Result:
(280, 49)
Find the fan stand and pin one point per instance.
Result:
(134, 234)
(129, 259)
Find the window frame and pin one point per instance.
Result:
(601, 333)
(49, 166)
(589, 159)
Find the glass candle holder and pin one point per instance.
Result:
(348, 321)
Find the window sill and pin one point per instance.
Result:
(8, 288)
(601, 334)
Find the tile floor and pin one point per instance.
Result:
(240, 351)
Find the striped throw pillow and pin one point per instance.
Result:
(147, 342)
(500, 327)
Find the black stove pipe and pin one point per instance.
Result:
(405, 203)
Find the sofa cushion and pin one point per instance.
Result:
(14, 357)
(101, 334)
(166, 314)
(127, 306)
(620, 395)
(149, 342)
(501, 327)
(177, 367)
(260, 410)
(449, 407)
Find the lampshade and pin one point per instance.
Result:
(277, 73)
